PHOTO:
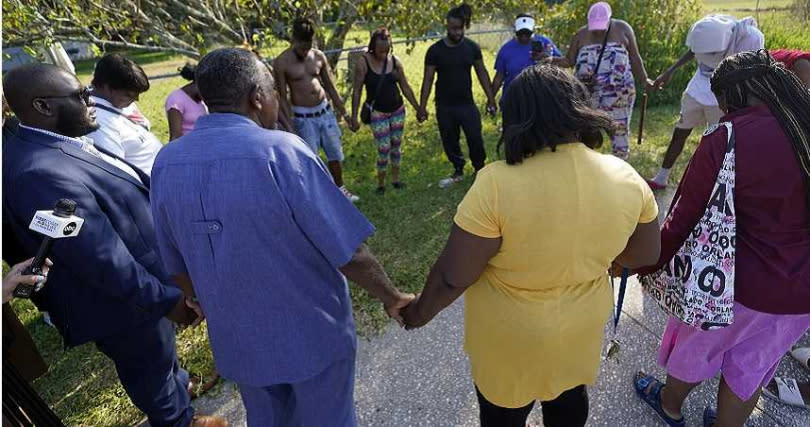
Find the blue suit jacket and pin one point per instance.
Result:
(107, 279)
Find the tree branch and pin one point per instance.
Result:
(220, 25)
(134, 46)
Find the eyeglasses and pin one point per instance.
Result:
(82, 94)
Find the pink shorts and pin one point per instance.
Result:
(747, 352)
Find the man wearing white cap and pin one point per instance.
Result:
(710, 40)
(524, 50)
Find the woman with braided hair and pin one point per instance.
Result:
(769, 109)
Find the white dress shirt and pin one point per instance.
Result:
(124, 138)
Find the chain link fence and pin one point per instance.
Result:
(411, 51)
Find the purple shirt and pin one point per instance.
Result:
(773, 220)
(256, 221)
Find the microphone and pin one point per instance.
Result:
(56, 224)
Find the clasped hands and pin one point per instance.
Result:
(405, 310)
(187, 312)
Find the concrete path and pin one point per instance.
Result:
(421, 378)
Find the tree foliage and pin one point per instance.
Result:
(190, 27)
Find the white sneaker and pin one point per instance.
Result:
(352, 198)
(446, 182)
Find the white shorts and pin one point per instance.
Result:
(696, 115)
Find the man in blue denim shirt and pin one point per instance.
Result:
(249, 219)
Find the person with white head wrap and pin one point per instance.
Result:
(710, 40)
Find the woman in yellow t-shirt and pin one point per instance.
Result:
(531, 245)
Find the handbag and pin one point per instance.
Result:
(590, 81)
(697, 285)
(368, 107)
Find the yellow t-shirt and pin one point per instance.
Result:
(534, 320)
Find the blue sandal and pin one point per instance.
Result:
(642, 382)
(709, 417)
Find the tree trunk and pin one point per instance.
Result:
(338, 37)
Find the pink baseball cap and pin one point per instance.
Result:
(599, 16)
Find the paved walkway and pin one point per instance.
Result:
(421, 378)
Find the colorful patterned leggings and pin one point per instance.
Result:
(387, 129)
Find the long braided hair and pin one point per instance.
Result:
(756, 74)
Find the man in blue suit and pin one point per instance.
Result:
(108, 285)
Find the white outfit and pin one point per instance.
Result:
(712, 39)
(124, 138)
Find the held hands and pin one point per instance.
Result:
(195, 306)
(661, 81)
(649, 86)
(397, 304)
(492, 107)
(187, 312)
(421, 114)
(616, 270)
(411, 317)
(354, 125)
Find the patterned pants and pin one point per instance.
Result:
(387, 129)
(617, 101)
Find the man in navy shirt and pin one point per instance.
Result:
(519, 53)
(250, 219)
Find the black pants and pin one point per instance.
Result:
(453, 119)
(569, 409)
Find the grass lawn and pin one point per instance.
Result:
(412, 226)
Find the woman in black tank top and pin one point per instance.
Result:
(384, 79)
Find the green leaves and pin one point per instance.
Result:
(191, 26)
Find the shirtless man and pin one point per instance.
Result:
(306, 72)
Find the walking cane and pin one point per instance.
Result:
(643, 113)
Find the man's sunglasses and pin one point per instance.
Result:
(82, 94)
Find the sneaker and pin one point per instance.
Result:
(446, 182)
(352, 198)
(655, 186)
(380, 190)
(399, 185)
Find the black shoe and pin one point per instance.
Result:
(380, 190)
(399, 185)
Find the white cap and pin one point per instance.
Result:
(711, 33)
(524, 23)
